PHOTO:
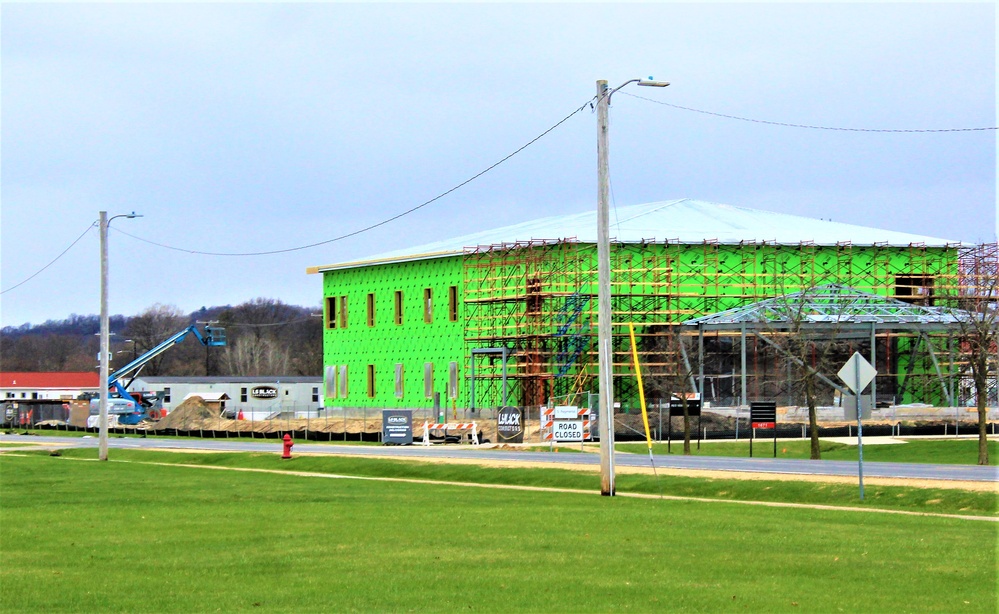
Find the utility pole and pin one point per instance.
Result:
(604, 332)
(606, 375)
(102, 446)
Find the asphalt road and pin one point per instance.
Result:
(973, 473)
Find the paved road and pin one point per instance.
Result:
(973, 473)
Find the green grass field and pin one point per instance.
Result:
(955, 451)
(80, 536)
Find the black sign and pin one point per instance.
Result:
(763, 413)
(676, 407)
(397, 426)
(510, 425)
(264, 392)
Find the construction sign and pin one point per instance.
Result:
(565, 423)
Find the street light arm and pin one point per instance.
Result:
(128, 215)
(644, 82)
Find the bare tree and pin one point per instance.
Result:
(150, 328)
(675, 376)
(252, 356)
(804, 327)
(979, 329)
(268, 337)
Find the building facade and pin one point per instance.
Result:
(257, 397)
(509, 314)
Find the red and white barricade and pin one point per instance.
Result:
(451, 426)
(551, 416)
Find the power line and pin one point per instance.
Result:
(789, 125)
(248, 325)
(63, 253)
(372, 226)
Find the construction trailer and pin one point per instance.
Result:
(256, 397)
(507, 317)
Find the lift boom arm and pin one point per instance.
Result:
(213, 337)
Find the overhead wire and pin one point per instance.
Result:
(266, 324)
(375, 225)
(488, 169)
(61, 254)
(811, 127)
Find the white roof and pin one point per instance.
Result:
(677, 221)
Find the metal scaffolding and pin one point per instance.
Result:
(538, 300)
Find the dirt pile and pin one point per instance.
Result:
(193, 413)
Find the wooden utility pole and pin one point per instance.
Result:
(102, 445)
(606, 375)
(604, 332)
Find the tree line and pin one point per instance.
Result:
(264, 337)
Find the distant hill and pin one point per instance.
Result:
(265, 337)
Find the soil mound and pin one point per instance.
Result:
(193, 413)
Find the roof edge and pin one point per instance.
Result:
(323, 268)
(312, 270)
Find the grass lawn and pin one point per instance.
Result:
(80, 536)
(956, 451)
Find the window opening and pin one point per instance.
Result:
(343, 381)
(428, 379)
(330, 312)
(452, 303)
(398, 380)
(915, 289)
(452, 380)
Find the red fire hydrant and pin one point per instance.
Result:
(288, 443)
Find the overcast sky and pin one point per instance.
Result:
(256, 127)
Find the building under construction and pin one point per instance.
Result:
(508, 316)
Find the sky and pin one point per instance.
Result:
(239, 128)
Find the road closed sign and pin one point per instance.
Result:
(567, 430)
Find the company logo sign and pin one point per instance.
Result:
(510, 425)
(397, 426)
(264, 392)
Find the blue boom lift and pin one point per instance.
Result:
(130, 410)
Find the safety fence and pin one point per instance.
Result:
(622, 433)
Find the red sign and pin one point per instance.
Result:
(764, 425)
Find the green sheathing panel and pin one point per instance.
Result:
(412, 343)
(540, 302)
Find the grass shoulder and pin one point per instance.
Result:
(937, 500)
(955, 451)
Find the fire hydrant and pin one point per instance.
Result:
(288, 443)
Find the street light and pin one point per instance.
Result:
(604, 349)
(102, 447)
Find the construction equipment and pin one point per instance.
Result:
(133, 408)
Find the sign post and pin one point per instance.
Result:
(857, 373)
(676, 411)
(762, 415)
